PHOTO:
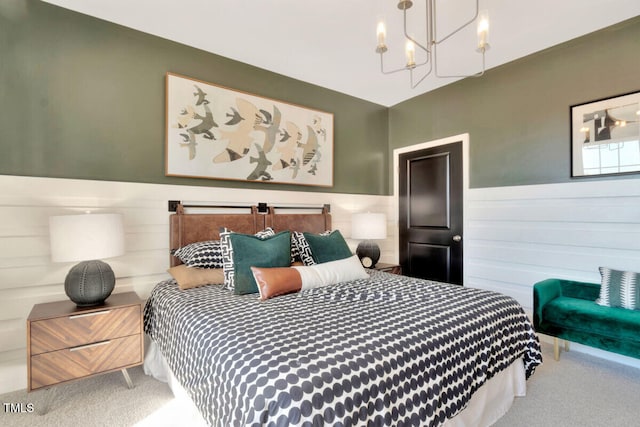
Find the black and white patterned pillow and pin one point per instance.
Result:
(226, 248)
(300, 247)
(619, 289)
(207, 254)
(267, 232)
(295, 253)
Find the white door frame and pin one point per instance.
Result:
(464, 138)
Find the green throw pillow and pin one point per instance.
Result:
(330, 247)
(619, 289)
(251, 251)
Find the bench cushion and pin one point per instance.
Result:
(572, 314)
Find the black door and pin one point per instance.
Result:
(431, 219)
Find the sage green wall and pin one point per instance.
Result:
(84, 98)
(517, 115)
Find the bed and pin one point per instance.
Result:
(378, 350)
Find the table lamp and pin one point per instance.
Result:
(367, 227)
(87, 238)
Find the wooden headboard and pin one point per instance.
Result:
(185, 228)
(280, 219)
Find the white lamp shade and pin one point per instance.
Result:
(368, 226)
(86, 237)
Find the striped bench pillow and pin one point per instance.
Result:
(619, 289)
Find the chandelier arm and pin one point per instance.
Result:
(478, 74)
(414, 85)
(420, 64)
(430, 21)
(431, 45)
(406, 34)
(460, 28)
(390, 71)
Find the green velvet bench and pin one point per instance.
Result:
(567, 310)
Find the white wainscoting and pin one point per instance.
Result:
(517, 236)
(514, 237)
(29, 277)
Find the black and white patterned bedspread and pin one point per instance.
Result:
(389, 350)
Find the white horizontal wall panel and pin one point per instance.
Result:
(554, 256)
(517, 236)
(25, 246)
(578, 189)
(28, 277)
(574, 210)
(604, 235)
(522, 294)
(510, 275)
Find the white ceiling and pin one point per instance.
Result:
(331, 43)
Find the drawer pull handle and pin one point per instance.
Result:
(95, 344)
(95, 313)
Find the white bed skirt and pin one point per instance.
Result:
(491, 401)
(487, 405)
(155, 366)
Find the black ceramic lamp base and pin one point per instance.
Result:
(89, 283)
(368, 249)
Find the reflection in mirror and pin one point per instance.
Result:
(617, 157)
(605, 136)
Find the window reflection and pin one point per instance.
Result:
(616, 157)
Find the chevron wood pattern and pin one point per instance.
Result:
(66, 342)
(69, 364)
(74, 330)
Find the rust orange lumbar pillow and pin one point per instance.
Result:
(276, 281)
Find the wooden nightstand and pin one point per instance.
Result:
(66, 342)
(389, 268)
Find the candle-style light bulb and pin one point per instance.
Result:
(483, 30)
(410, 50)
(382, 33)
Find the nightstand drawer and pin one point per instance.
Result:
(84, 328)
(77, 362)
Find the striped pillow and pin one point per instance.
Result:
(619, 289)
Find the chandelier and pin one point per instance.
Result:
(430, 45)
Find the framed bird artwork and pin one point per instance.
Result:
(220, 133)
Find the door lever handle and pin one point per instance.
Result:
(457, 238)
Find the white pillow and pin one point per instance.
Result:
(274, 281)
(331, 272)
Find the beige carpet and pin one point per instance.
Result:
(580, 390)
(100, 401)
